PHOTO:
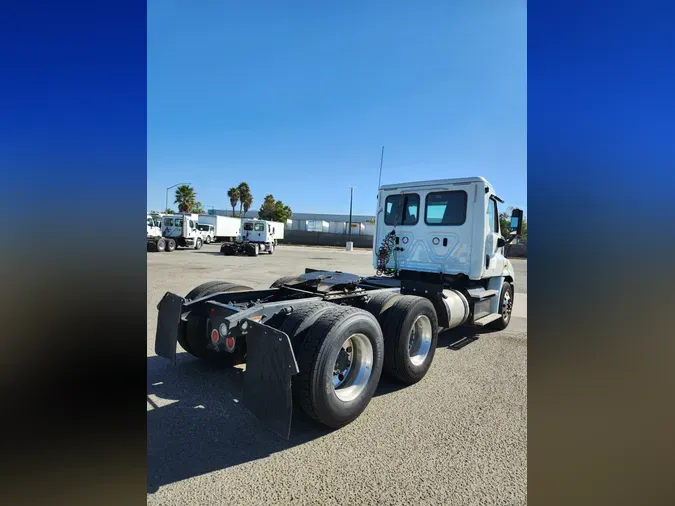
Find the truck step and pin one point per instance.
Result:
(481, 322)
(482, 293)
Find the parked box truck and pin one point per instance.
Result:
(224, 227)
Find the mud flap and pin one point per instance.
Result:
(168, 326)
(270, 364)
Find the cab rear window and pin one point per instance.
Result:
(402, 209)
(259, 227)
(248, 226)
(445, 208)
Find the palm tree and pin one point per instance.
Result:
(248, 202)
(233, 193)
(245, 197)
(185, 198)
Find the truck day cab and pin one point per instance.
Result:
(322, 339)
(182, 228)
(257, 236)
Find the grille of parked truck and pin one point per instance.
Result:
(321, 339)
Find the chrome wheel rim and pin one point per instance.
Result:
(353, 367)
(507, 306)
(419, 340)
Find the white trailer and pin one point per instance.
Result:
(224, 227)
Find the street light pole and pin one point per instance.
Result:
(351, 197)
(166, 202)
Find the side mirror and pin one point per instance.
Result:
(501, 242)
(516, 222)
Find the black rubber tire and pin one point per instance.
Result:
(252, 250)
(207, 240)
(170, 245)
(396, 328)
(195, 334)
(160, 245)
(282, 281)
(198, 243)
(271, 249)
(504, 321)
(312, 387)
(296, 323)
(227, 250)
(380, 304)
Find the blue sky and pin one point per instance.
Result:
(298, 100)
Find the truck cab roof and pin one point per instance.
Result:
(434, 183)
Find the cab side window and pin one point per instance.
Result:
(493, 216)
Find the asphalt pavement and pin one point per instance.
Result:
(457, 437)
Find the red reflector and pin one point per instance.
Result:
(214, 335)
(229, 342)
(213, 309)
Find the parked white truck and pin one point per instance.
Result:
(257, 236)
(208, 232)
(182, 229)
(322, 339)
(156, 242)
(224, 227)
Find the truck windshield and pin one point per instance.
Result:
(259, 227)
(248, 226)
(205, 228)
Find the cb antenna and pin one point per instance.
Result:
(379, 182)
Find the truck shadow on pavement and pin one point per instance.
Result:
(197, 423)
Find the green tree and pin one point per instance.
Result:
(198, 208)
(245, 198)
(274, 210)
(168, 210)
(370, 220)
(233, 194)
(185, 198)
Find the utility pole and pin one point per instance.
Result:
(351, 197)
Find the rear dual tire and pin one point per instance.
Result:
(340, 353)
(410, 328)
(410, 338)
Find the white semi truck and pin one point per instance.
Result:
(257, 236)
(182, 229)
(322, 339)
(156, 242)
(224, 227)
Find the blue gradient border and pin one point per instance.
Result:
(601, 158)
(73, 172)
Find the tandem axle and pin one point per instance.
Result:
(341, 323)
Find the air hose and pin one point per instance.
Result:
(385, 252)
